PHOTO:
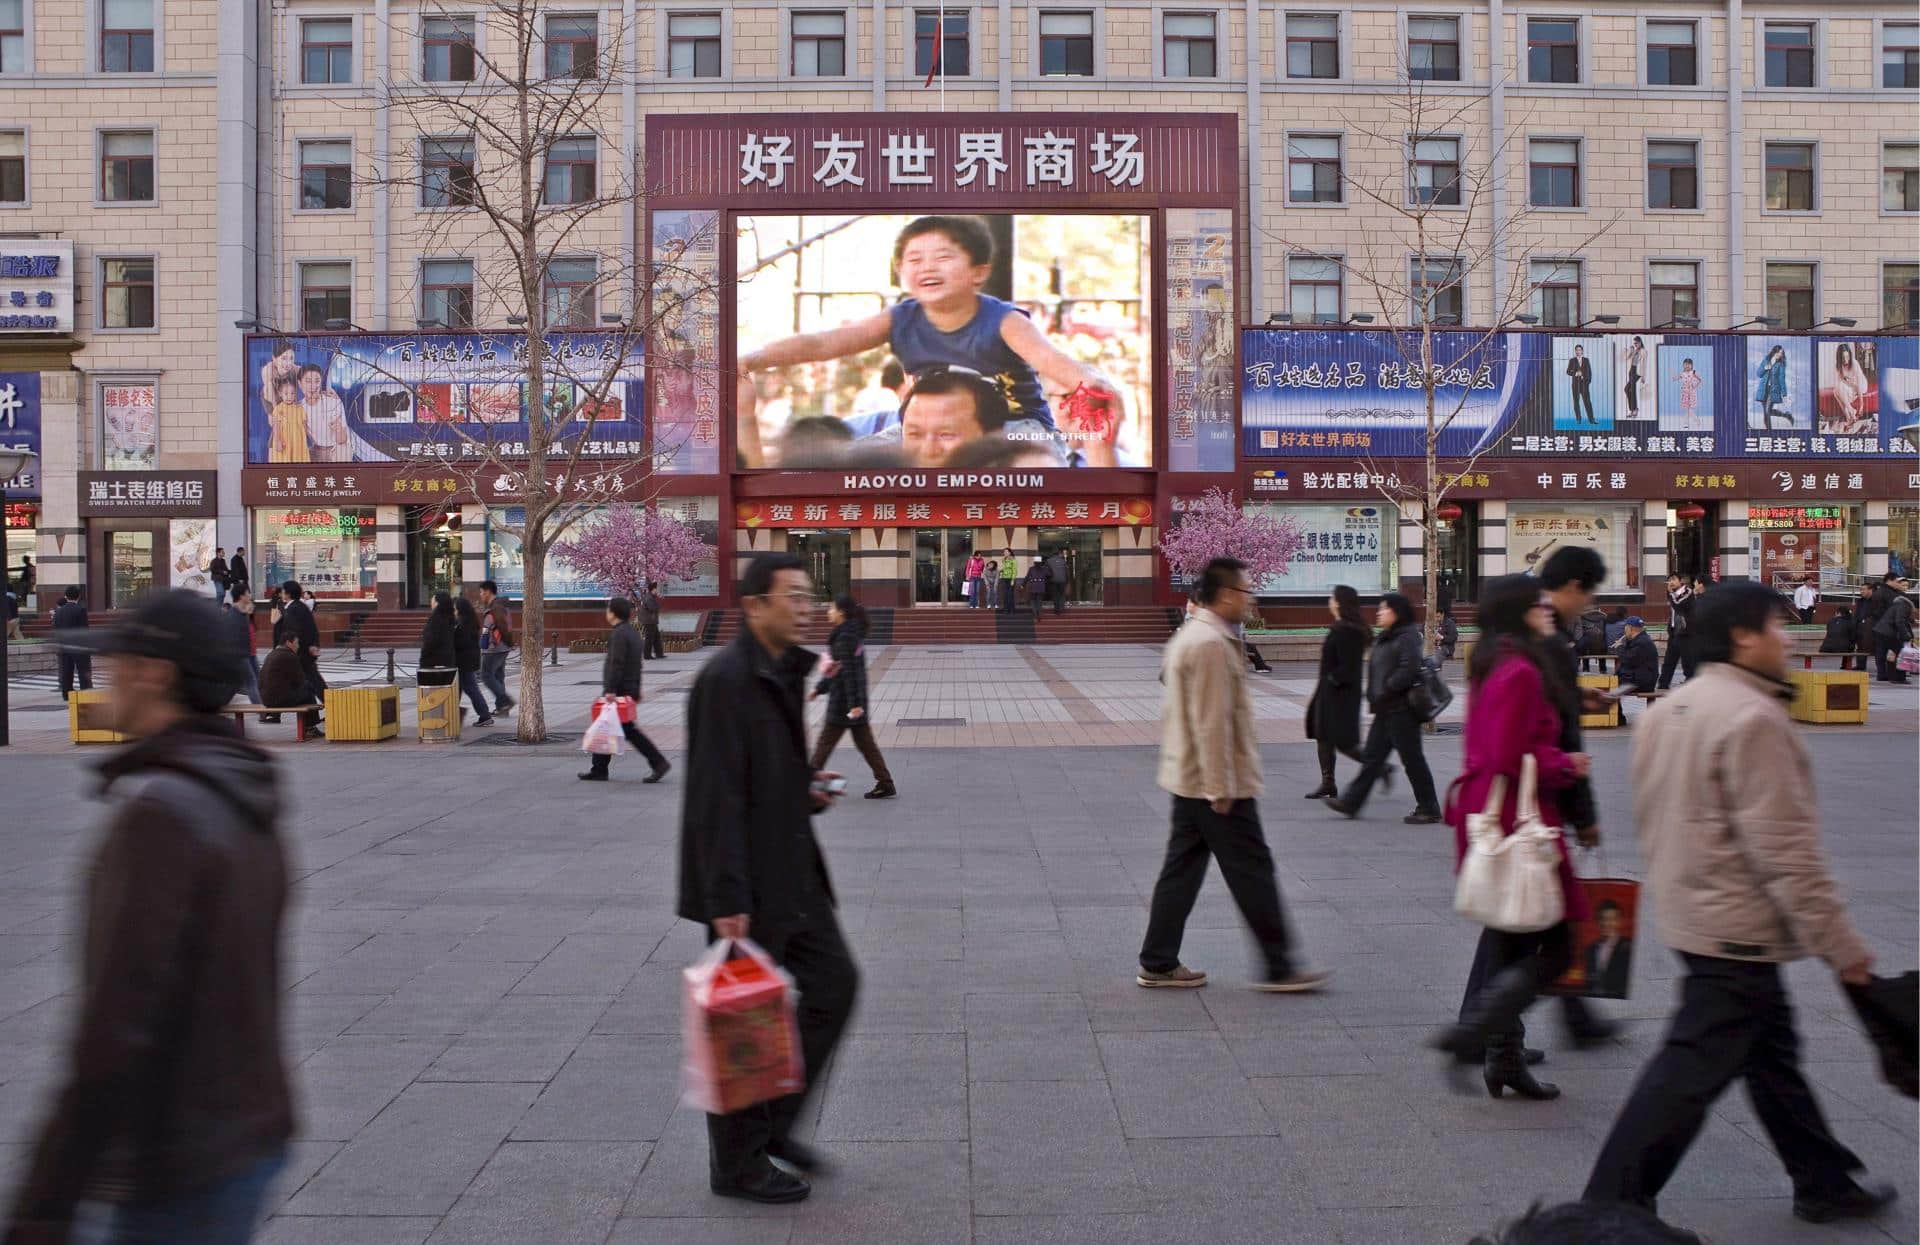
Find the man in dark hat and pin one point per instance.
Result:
(176, 1107)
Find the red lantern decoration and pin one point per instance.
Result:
(1447, 511)
(1690, 512)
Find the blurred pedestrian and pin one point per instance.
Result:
(75, 662)
(175, 1107)
(846, 692)
(1333, 715)
(620, 676)
(1512, 716)
(496, 641)
(750, 865)
(237, 613)
(1892, 629)
(1393, 668)
(237, 575)
(651, 649)
(1037, 579)
(1210, 765)
(1057, 577)
(12, 611)
(439, 665)
(1737, 871)
(466, 658)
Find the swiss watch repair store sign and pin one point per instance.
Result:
(36, 286)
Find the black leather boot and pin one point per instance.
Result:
(1326, 787)
(1506, 1068)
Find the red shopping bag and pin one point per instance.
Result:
(741, 1038)
(624, 706)
(1603, 944)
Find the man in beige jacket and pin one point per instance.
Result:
(1210, 763)
(1723, 797)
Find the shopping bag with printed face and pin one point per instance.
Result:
(741, 1035)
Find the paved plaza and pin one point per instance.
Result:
(483, 972)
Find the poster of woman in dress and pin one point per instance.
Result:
(1849, 389)
(1633, 364)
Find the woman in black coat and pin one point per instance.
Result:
(436, 643)
(466, 658)
(1333, 715)
(1393, 667)
(846, 691)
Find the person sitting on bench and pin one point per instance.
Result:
(1639, 665)
(283, 684)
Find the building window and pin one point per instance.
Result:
(13, 166)
(446, 172)
(1553, 172)
(326, 50)
(1674, 291)
(569, 293)
(1437, 289)
(1789, 177)
(573, 45)
(326, 293)
(1313, 290)
(126, 166)
(1553, 49)
(13, 36)
(1313, 168)
(1790, 294)
(1190, 46)
(1900, 54)
(126, 36)
(819, 45)
(1673, 175)
(446, 293)
(1900, 295)
(953, 36)
(446, 51)
(1900, 177)
(326, 174)
(693, 45)
(1673, 54)
(1789, 53)
(126, 293)
(570, 169)
(1313, 45)
(1435, 171)
(1556, 292)
(1433, 49)
(1066, 45)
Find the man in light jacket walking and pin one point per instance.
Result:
(1210, 764)
(1723, 797)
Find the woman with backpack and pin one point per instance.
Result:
(1396, 665)
(846, 691)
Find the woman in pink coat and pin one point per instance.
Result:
(1510, 716)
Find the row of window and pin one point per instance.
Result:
(1437, 290)
(1316, 173)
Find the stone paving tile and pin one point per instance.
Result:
(557, 1193)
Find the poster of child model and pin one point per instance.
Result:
(1685, 386)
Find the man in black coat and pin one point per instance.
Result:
(654, 648)
(217, 571)
(237, 570)
(1057, 581)
(70, 615)
(1580, 376)
(1680, 603)
(620, 676)
(750, 865)
(296, 620)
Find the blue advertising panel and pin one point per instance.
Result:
(377, 398)
(1342, 392)
(20, 429)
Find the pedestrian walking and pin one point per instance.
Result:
(1680, 605)
(1037, 579)
(1057, 577)
(496, 641)
(1892, 628)
(29, 582)
(620, 676)
(1513, 717)
(237, 575)
(283, 685)
(297, 617)
(439, 664)
(176, 1103)
(1393, 668)
(466, 658)
(1723, 796)
(1448, 641)
(1009, 574)
(976, 582)
(750, 865)
(1210, 766)
(1805, 598)
(217, 571)
(1333, 714)
(1866, 612)
(1638, 668)
(74, 661)
(651, 648)
(846, 691)
(12, 612)
(237, 613)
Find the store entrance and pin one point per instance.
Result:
(1691, 526)
(828, 557)
(1081, 547)
(940, 564)
(433, 554)
(129, 568)
(1457, 555)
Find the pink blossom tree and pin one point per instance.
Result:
(631, 545)
(1214, 527)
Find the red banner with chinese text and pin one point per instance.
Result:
(1024, 512)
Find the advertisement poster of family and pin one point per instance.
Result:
(1312, 392)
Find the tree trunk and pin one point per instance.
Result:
(532, 726)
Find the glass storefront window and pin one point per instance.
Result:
(329, 550)
(1814, 541)
(130, 564)
(1355, 545)
(1903, 539)
(1535, 531)
(21, 541)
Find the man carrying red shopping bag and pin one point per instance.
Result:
(620, 684)
(751, 866)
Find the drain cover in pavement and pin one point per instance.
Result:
(931, 722)
(39, 708)
(507, 739)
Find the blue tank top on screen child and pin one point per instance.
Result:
(976, 344)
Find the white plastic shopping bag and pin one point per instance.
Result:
(742, 1038)
(603, 736)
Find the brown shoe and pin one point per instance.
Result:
(1299, 981)
(1181, 977)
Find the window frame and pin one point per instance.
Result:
(1767, 263)
(1647, 163)
(101, 285)
(1340, 163)
(1459, 287)
(100, 137)
(300, 166)
(1880, 48)
(668, 41)
(25, 34)
(423, 43)
(790, 43)
(547, 42)
(300, 46)
(1462, 44)
(1912, 293)
(547, 167)
(1580, 41)
(1284, 41)
(1413, 162)
(300, 266)
(1095, 38)
(1818, 35)
(1164, 43)
(454, 205)
(26, 168)
(1702, 55)
(1699, 287)
(1339, 285)
(1913, 173)
(1537, 290)
(1579, 167)
(548, 285)
(427, 288)
(967, 13)
(99, 31)
(1813, 175)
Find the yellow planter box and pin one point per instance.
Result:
(1829, 696)
(1600, 721)
(362, 714)
(438, 710)
(90, 717)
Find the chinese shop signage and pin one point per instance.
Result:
(842, 512)
(36, 286)
(165, 494)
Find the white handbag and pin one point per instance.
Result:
(1511, 882)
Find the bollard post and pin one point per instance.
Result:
(390, 678)
(356, 646)
(553, 651)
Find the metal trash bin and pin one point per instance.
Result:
(362, 714)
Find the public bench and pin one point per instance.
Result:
(240, 714)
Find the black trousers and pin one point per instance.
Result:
(72, 665)
(1679, 653)
(1394, 730)
(1058, 594)
(1240, 845)
(1734, 1022)
(1328, 752)
(1496, 951)
(816, 953)
(653, 647)
(1583, 396)
(862, 731)
(1517, 968)
(641, 744)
